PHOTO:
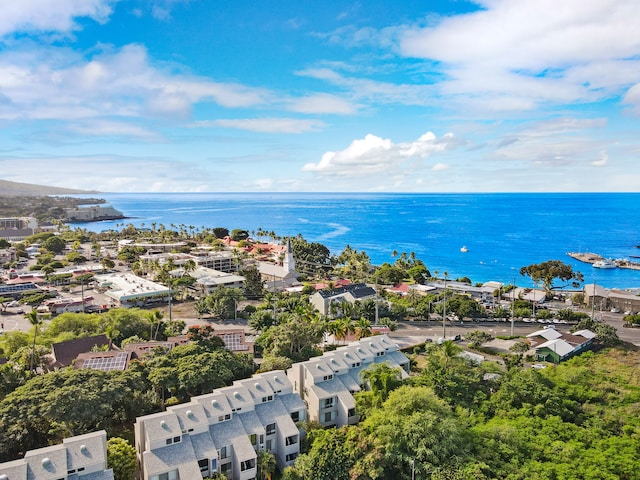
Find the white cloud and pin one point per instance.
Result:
(50, 16)
(59, 84)
(323, 103)
(375, 155)
(517, 55)
(265, 125)
(440, 167)
(563, 141)
(114, 129)
(604, 159)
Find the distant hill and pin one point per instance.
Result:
(8, 188)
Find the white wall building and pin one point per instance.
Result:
(222, 431)
(327, 383)
(83, 457)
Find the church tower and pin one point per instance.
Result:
(289, 264)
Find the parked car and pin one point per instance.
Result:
(457, 338)
(13, 304)
(19, 311)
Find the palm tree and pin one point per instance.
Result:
(266, 464)
(448, 352)
(155, 320)
(34, 320)
(362, 328)
(381, 379)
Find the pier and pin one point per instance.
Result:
(592, 258)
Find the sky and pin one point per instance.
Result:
(321, 96)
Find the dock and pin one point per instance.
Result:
(592, 258)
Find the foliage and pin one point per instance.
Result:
(311, 257)
(387, 274)
(121, 457)
(67, 403)
(222, 302)
(54, 244)
(189, 370)
(296, 337)
(606, 335)
(547, 272)
(238, 234)
(253, 282)
(478, 337)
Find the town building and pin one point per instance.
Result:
(280, 276)
(83, 457)
(222, 431)
(15, 229)
(327, 383)
(128, 290)
(551, 345)
(323, 299)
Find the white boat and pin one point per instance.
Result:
(464, 249)
(606, 264)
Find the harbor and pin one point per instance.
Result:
(597, 260)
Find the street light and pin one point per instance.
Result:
(413, 469)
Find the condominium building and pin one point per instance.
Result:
(83, 457)
(222, 431)
(327, 383)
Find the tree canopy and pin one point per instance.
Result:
(546, 272)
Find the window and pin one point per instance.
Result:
(226, 469)
(355, 365)
(172, 475)
(351, 412)
(271, 429)
(267, 399)
(204, 465)
(327, 417)
(247, 464)
(328, 377)
(269, 445)
(176, 439)
(327, 403)
(291, 457)
(295, 416)
(379, 354)
(224, 452)
(292, 440)
(253, 438)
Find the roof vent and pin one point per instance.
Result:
(46, 462)
(276, 379)
(190, 414)
(236, 395)
(4, 477)
(84, 449)
(215, 403)
(163, 424)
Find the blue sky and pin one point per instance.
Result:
(398, 96)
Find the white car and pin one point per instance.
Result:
(13, 304)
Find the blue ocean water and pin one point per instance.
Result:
(502, 232)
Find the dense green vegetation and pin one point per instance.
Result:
(456, 420)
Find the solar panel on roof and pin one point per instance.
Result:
(106, 364)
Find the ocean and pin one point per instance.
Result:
(501, 232)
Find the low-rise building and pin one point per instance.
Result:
(222, 432)
(128, 290)
(83, 457)
(551, 345)
(327, 383)
(323, 299)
